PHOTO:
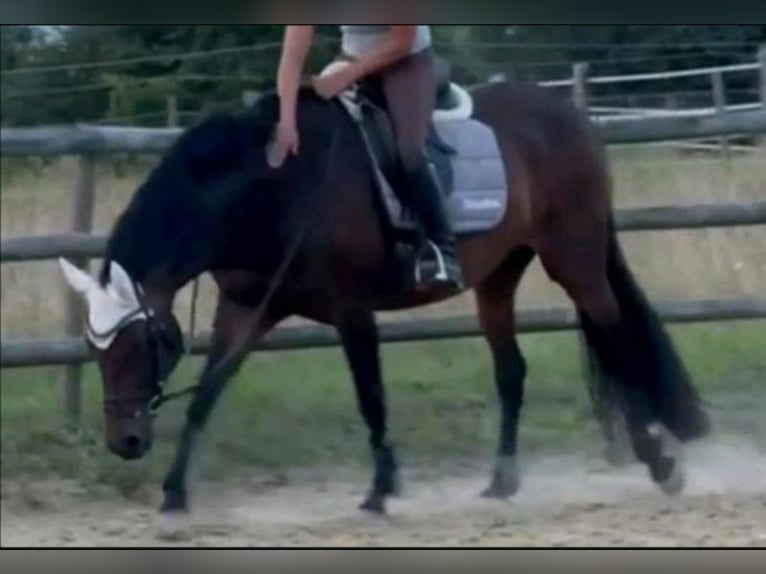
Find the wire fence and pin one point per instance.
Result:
(205, 84)
(710, 48)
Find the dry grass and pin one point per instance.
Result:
(443, 403)
(684, 264)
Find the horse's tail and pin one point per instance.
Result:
(646, 369)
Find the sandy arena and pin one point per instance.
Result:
(563, 502)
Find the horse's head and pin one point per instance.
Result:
(136, 347)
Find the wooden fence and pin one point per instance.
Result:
(91, 142)
(74, 352)
(581, 82)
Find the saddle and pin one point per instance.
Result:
(463, 153)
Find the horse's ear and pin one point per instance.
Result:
(77, 279)
(121, 283)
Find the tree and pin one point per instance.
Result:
(208, 67)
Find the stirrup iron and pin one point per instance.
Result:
(441, 274)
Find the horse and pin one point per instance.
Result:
(308, 240)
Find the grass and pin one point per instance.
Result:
(297, 409)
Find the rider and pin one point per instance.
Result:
(402, 58)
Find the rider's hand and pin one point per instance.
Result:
(286, 141)
(332, 84)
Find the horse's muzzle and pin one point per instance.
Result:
(129, 441)
(130, 448)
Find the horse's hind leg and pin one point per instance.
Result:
(359, 336)
(495, 298)
(633, 363)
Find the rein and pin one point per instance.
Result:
(161, 397)
(277, 278)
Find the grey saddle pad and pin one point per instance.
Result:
(472, 176)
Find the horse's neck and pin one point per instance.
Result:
(158, 264)
(159, 290)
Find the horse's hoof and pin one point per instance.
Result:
(505, 482)
(387, 485)
(387, 480)
(668, 472)
(496, 493)
(375, 504)
(500, 492)
(676, 482)
(174, 502)
(174, 526)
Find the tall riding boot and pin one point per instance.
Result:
(439, 261)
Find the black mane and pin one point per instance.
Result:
(173, 221)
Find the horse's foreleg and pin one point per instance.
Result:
(495, 299)
(359, 335)
(236, 328)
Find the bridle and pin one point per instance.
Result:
(162, 345)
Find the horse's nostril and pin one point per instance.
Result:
(132, 442)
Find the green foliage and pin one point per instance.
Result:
(246, 59)
(533, 53)
(136, 98)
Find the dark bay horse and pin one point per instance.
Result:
(308, 240)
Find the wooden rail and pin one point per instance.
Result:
(74, 351)
(87, 140)
(86, 246)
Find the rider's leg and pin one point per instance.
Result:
(410, 90)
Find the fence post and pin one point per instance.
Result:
(580, 85)
(719, 100)
(172, 111)
(82, 221)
